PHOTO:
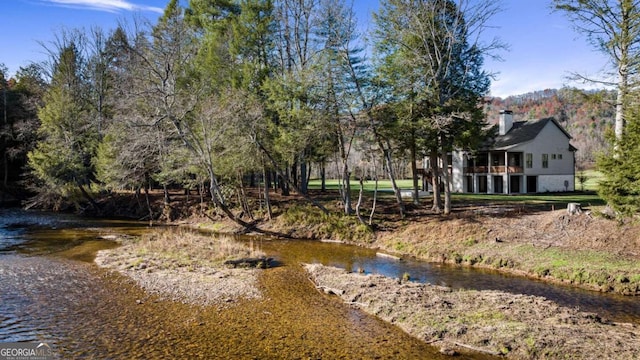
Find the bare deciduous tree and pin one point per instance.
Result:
(613, 27)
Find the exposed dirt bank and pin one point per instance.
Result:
(518, 326)
(581, 250)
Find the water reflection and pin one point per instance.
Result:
(42, 233)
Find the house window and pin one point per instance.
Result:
(553, 156)
(545, 161)
(559, 156)
(529, 160)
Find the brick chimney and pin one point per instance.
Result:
(506, 121)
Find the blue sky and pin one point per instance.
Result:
(544, 49)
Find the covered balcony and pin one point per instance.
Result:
(494, 163)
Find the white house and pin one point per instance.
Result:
(526, 157)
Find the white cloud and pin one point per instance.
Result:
(105, 5)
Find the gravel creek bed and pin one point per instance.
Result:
(491, 323)
(216, 312)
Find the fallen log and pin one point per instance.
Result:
(477, 349)
(389, 256)
(330, 291)
(261, 262)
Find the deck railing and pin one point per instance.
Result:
(500, 169)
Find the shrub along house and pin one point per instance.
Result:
(525, 157)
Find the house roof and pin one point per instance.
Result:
(524, 131)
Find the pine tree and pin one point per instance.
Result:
(62, 158)
(336, 96)
(621, 168)
(431, 60)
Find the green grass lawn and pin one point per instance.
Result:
(368, 185)
(591, 177)
(559, 199)
(587, 198)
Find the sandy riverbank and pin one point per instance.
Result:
(183, 267)
(517, 326)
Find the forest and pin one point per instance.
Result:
(220, 93)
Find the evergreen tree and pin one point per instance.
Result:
(620, 187)
(339, 61)
(62, 159)
(290, 101)
(434, 72)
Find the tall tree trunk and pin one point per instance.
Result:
(323, 177)
(267, 200)
(392, 177)
(446, 178)
(146, 197)
(620, 100)
(167, 198)
(414, 171)
(346, 188)
(308, 176)
(201, 193)
(303, 174)
(375, 201)
(294, 175)
(284, 180)
(435, 181)
(359, 203)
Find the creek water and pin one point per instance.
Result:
(610, 306)
(51, 291)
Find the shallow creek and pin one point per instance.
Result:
(51, 291)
